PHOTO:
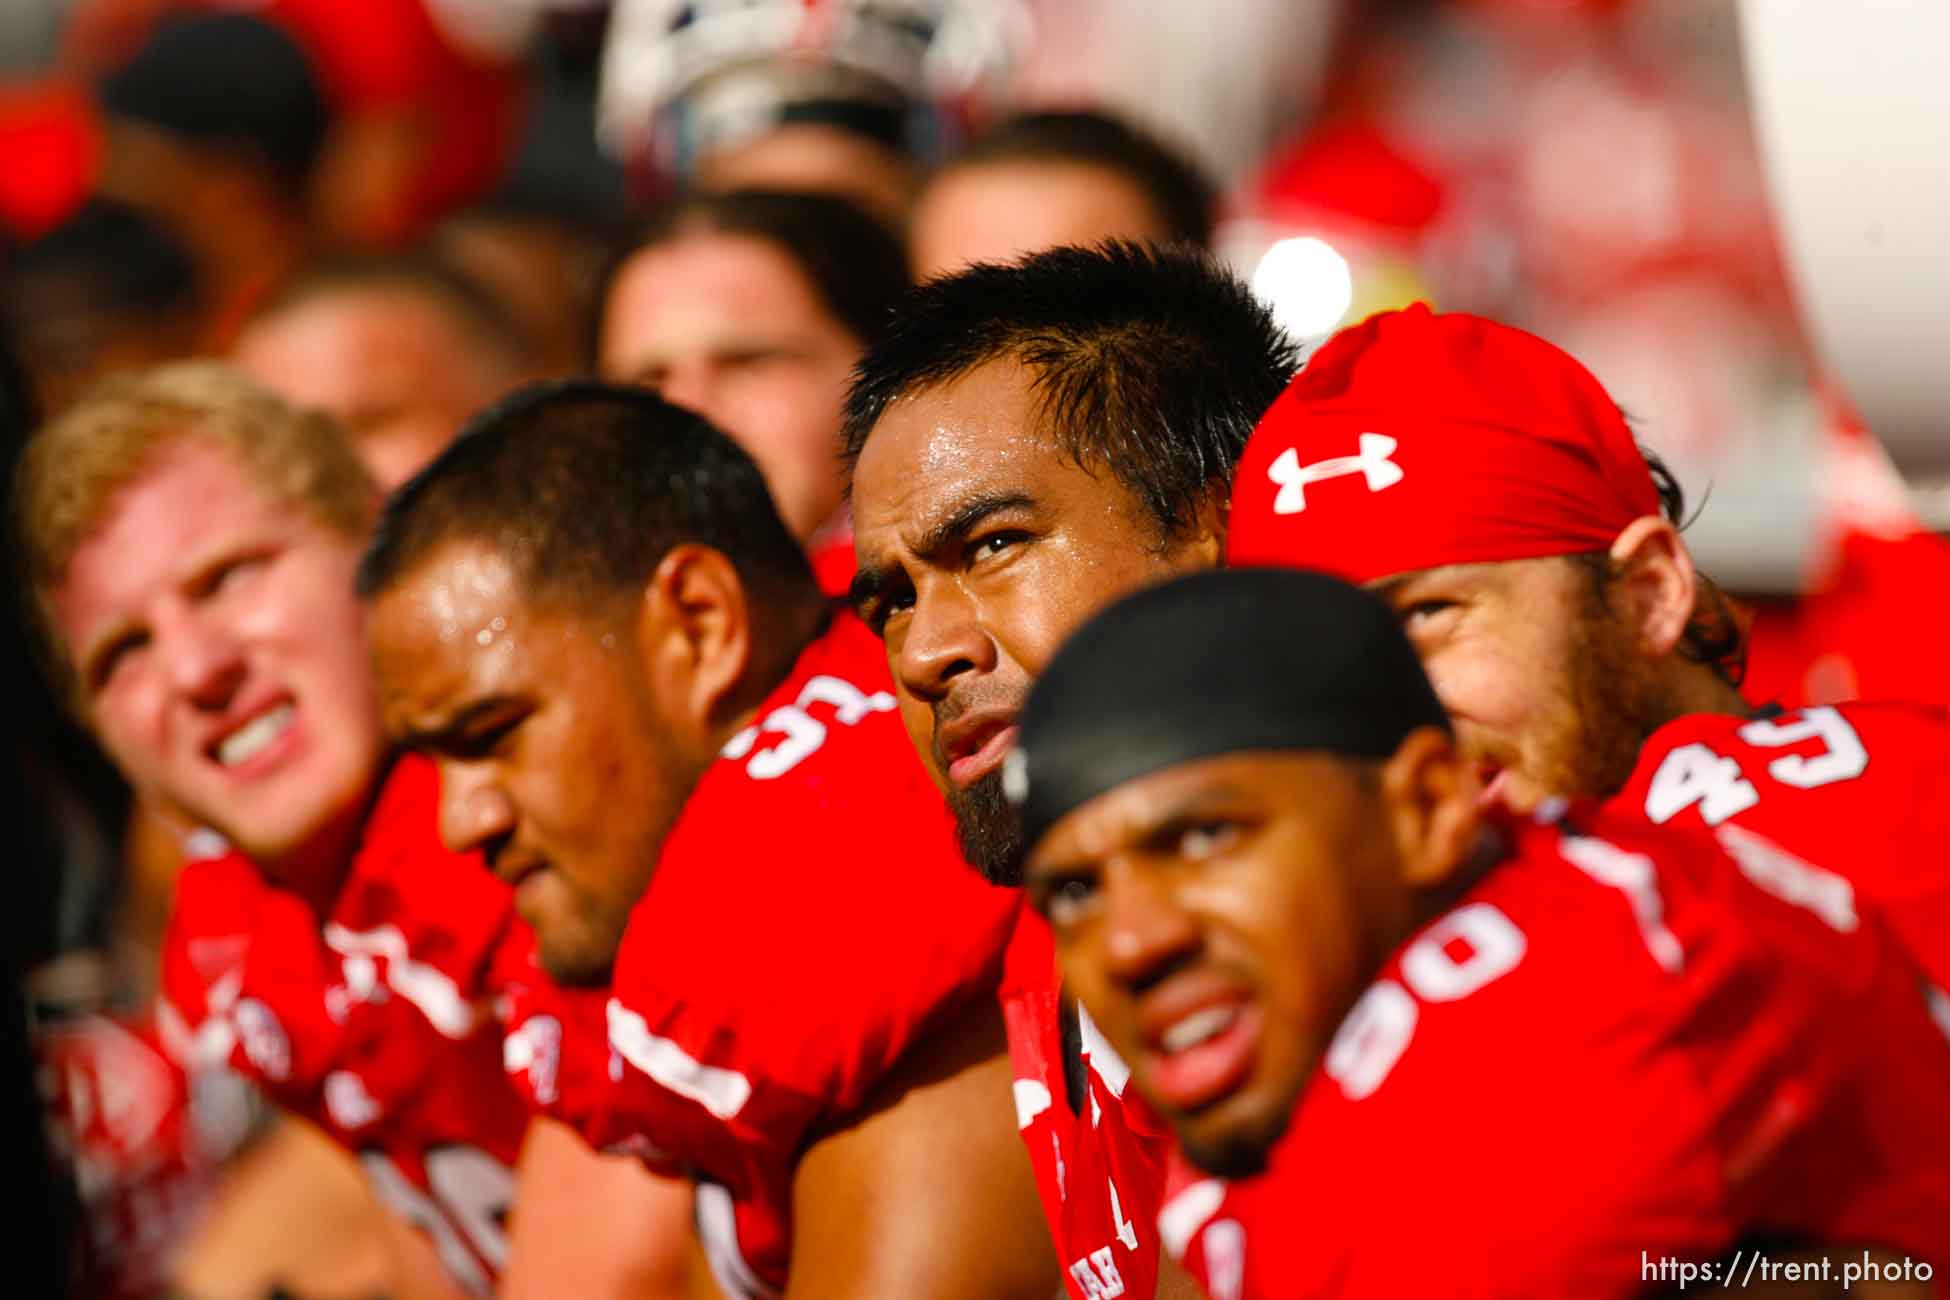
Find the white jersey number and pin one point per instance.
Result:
(1695, 774)
(1377, 1031)
(465, 1216)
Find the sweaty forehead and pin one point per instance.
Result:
(939, 447)
(452, 617)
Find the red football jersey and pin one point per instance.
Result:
(1101, 1173)
(360, 1021)
(143, 1151)
(1862, 633)
(1620, 1052)
(810, 920)
(1862, 789)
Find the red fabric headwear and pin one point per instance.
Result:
(1415, 440)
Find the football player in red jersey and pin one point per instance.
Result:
(687, 764)
(1564, 1058)
(1028, 443)
(1484, 482)
(191, 543)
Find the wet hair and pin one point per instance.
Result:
(855, 264)
(1177, 189)
(584, 487)
(1151, 363)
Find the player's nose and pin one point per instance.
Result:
(204, 663)
(1147, 934)
(944, 641)
(691, 385)
(475, 812)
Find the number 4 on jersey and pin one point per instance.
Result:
(1695, 774)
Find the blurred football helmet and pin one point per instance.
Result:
(684, 77)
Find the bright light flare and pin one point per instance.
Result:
(1307, 285)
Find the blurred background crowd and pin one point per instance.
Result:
(397, 209)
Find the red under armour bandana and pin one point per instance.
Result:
(1415, 440)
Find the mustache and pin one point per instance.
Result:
(951, 709)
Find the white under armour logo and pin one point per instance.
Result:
(1293, 477)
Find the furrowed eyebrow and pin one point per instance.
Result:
(966, 517)
(88, 663)
(1195, 809)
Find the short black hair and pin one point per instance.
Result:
(1154, 363)
(1183, 196)
(461, 299)
(108, 257)
(585, 487)
(856, 265)
(238, 83)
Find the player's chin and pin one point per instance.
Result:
(275, 822)
(576, 953)
(1234, 1139)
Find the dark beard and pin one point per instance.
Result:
(990, 835)
(1619, 700)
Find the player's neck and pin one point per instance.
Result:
(789, 628)
(316, 869)
(1695, 688)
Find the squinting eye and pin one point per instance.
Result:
(115, 658)
(1065, 902)
(230, 573)
(489, 742)
(1208, 839)
(882, 611)
(1422, 613)
(993, 544)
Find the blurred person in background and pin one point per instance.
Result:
(398, 349)
(108, 289)
(1040, 180)
(650, 722)
(422, 102)
(544, 265)
(751, 309)
(849, 97)
(1473, 1053)
(189, 542)
(1028, 442)
(213, 126)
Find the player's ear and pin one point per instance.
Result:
(694, 632)
(1430, 793)
(1202, 545)
(1653, 583)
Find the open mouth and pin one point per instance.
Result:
(980, 751)
(1204, 1055)
(255, 737)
